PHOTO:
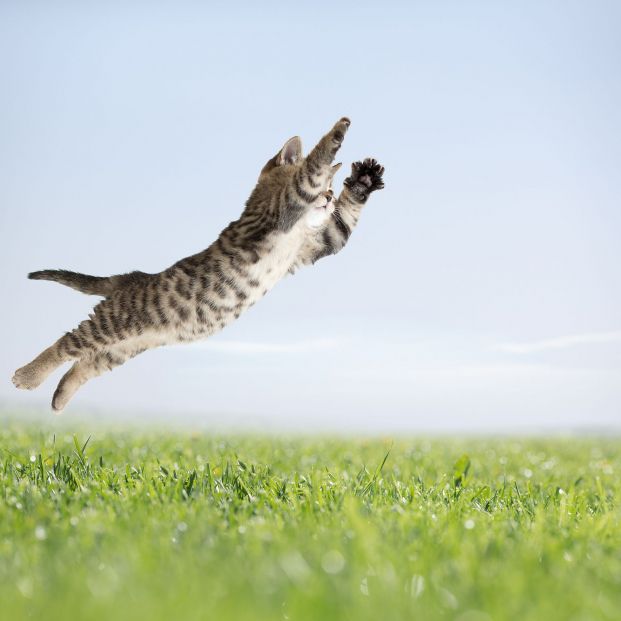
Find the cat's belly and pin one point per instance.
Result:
(210, 312)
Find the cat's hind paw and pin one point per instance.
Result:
(366, 177)
(27, 378)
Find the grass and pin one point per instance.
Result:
(172, 526)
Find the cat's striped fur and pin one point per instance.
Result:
(290, 219)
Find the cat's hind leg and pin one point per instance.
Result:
(93, 335)
(87, 368)
(85, 339)
(34, 373)
(112, 323)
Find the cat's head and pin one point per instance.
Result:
(279, 169)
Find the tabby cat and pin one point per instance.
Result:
(291, 219)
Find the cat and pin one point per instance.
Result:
(291, 219)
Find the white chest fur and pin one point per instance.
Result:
(282, 249)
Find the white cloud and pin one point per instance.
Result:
(560, 342)
(253, 347)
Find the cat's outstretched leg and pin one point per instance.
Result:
(34, 373)
(69, 384)
(317, 167)
(86, 369)
(114, 320)
(365, 178)
(84, 340)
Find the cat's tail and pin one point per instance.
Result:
(92, 285)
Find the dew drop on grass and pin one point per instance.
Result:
(333, 562)
(104, 584)
(40, 534)
(295, 567)
(469, 524)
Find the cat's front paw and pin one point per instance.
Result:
(366, 177)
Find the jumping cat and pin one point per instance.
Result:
(291, 219)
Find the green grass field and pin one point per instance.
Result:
(182, 527)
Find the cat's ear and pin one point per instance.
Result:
(291, 152)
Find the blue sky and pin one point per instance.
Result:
(481, 289)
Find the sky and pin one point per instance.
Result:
(481, 290)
